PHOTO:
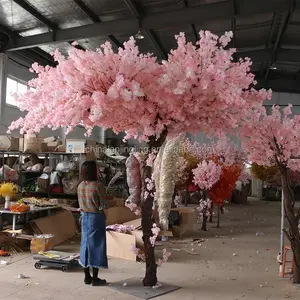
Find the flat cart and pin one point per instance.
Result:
(55, 259)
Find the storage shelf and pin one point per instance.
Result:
(63, 195)
(53, 195)
(33, 172)
(52, 153)
(35, 193)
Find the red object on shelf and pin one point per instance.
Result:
(192, 188)
(57, 189)
(3, 253)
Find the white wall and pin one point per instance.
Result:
(18, 68)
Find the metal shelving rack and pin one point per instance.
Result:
(53, 157)
(6, 154)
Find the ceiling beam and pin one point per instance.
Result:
(272, 29)
(283, 55)
(280, 35)
(149, 34)
(34, 53)
(87, 10)
(270, 39)
(221, 10)
(233, 23)
(283, 85)
(30, 9)
(35, 13)
(195, 33)
(96, 19)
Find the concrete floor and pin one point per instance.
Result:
(233, 263)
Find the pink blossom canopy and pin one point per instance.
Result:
(272, 139)
(206, 175)
(197, 88)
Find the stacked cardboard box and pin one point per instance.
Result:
(120, 244)
(8, 143)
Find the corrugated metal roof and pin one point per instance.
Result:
(269, 36)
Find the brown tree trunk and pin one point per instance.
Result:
(187, 195)
(204, 221)
(211, 213)
(293, 220)
(150, 278)
(218, 222)
(222, 209)
(147, 222)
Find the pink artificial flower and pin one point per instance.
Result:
(206, 175)
(199, 88)
(133, 207)
(155, 231)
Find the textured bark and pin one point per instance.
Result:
(293, 232)
(218, 222)
(204, 221)
(147, 222)
(211, 213)
(187, 195)
(150, 278)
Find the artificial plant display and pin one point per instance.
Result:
(263, 173)
(214, 168)
(199, 88)
(8, 191)
(273, 140)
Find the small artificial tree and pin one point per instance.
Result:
(199, 88)
(223, 188)
(206, 175)
(199, 160)
(273, 140)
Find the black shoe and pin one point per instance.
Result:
(98, 282)
(88, 280)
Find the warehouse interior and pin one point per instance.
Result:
(266, 32)
(246, 267)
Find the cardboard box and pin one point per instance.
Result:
(188, 221)
(119, 245)
(9, 143)
(52, 146)
(50, 139)
(116, 202)
(89, 147)
(119, 215)
(62, 226)
(40, 245)
(33, 144)
(75, 146)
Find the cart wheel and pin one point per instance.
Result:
(65, 269)
(37, 265)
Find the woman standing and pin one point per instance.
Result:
(91, 194)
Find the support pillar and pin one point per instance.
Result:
(63, 134)
(3, 80)
(101, 134)
(257, 188)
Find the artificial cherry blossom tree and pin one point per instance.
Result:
(206, 175)
(199, 88)
(275, 140)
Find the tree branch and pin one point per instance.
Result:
(288, 235)
(298, 216)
